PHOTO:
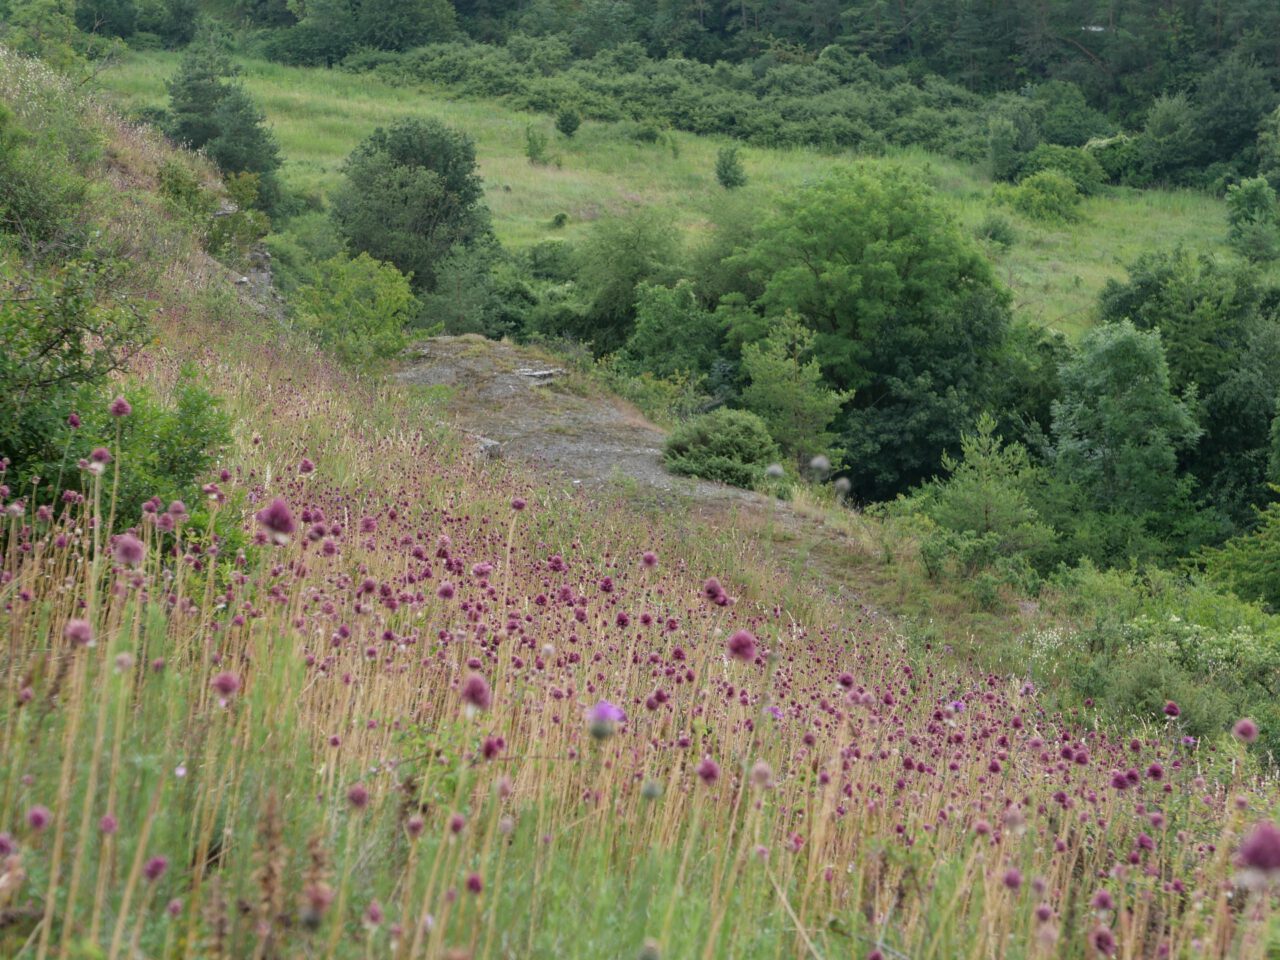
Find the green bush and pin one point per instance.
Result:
(731, 446)
(1254, 220)
(568, 120)
(1049, 196)
(729, 171)
(163, 449)
(358, 308)
(41, 194)
(998, 230)
(1081, 167)
(62, 335)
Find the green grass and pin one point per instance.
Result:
(1054, 271)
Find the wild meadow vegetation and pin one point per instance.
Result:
(989, 297)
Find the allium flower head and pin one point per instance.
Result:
(474, 883)
(128, 550)
(226, 684)
(120, 407)
(1171, 709)
(1260, 850)
(1245, 730)
(603, 718)
(1103, 941)
(476, 692)
(742, 646)
(155, 868)
(358, 796)
(38, 817)
(306, 466)
(78, 632)
(277, 520)
(1013, 878)
(708, 771)
(649, 558)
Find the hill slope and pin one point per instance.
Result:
(320, 115)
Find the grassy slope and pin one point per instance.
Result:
(591, 865)
(319, 115)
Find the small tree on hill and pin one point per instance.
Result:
(787, 391)
(568, 120)
(1254, 220)
(410, 194)
(729, 171)
(209, 110)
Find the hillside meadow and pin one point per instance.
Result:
(366, 695)
(319, 115)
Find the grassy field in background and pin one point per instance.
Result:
(1055, 271)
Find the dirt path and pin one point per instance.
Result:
(519, 403)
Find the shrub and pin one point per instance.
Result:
(61, 336)
(996, 229)
(1048, 196)
(729, 171)
(41, 195)
(1254, 220)
(1081, 167)
(731, 446)
(568, 120)
(163, 449)
(535, 146)
(410, 193)
(358, 308)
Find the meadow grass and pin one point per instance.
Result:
(1054, 271)
(411, 704)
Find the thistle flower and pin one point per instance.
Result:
(742, 646)
(78, 632)
(128, 550)
(476, 692)
(120, 407)
(1246, 730)
(277, 520)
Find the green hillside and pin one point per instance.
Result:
(319, 115)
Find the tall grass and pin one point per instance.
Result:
(319, 115)
(294, 740)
